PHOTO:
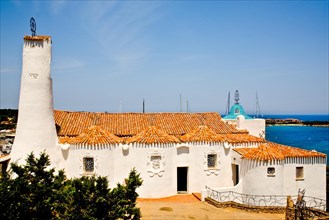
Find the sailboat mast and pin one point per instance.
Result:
(228, 104)
(257, 106)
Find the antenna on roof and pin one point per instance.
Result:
(143, 105)
(33, 26)
(187, 108)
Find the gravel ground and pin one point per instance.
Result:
(188, 207)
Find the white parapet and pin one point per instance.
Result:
(36, 129)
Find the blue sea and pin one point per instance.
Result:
(305, 137)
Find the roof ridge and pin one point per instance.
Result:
(274, 151)
(151, 135)
(96, 135)
(201, 133)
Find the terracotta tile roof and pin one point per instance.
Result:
(273, 151)
(202, 133)
(241, 138)
(129, 124)
(92, 136)
(66, 140)
(152, 135)
(36, 38)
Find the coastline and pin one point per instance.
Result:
(296, 122)
(299, 125)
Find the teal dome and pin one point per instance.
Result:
(235, 111)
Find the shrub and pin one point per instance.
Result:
(37, 192)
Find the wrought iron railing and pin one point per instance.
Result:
(262, 200)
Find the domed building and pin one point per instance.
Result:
(242, 121)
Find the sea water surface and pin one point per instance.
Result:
(306, 137)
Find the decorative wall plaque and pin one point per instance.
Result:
(34, 75)
(155, 163)
(211, 162)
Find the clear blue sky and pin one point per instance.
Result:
(107, 52)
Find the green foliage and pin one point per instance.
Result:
(125, 206)
(33, 193)
(38, 192)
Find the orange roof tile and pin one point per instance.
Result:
(37, 38)
(152, 135)
(202, 133)
(130, 124)
(92, 136)
(273, 151)
(241, 138)
(66, 140)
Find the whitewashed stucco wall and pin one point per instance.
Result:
(314, 181)
(116, 163)
(256, 127)
(103, 159)
(35, 126)
(200, 176)
(256, 181)
(156, 182)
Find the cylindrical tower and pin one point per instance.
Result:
(36, 129)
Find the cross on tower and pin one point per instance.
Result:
(33, 26)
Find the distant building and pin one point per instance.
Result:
(173, 152)
(238, 117)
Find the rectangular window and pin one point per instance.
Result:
(270, 171)
(299, 173)
(212, 159)
(88, 164)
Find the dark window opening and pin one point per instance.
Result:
(88, 164)
(211, 160)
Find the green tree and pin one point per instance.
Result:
(34, 193)
(126, 197)
(37, 192)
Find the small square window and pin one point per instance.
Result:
(270, 171)
(299, 173)
(212, 160)
(88, 164)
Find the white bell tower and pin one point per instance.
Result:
(36, 129)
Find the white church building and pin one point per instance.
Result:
(237, 116)
(173, 152)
